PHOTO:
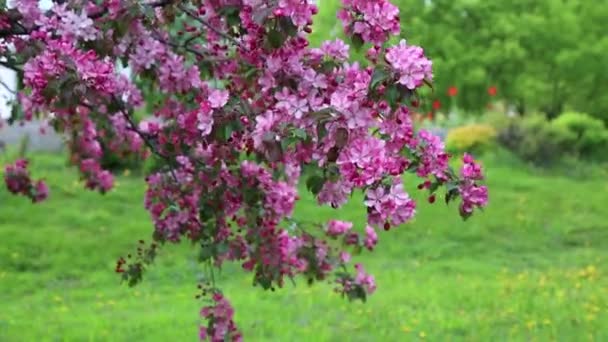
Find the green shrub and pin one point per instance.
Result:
(534, 139)
(474, 138)
(587, 138)
(497, 120)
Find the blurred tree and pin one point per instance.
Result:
(546, 55)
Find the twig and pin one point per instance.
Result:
(7, 87)
(11, 66)
(209, 26)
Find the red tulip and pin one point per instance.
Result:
(452, 91)
(436, 105)
(492, 91)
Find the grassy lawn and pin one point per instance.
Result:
(531, 267)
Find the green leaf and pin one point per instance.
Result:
(315, 183)
(287, 26)
(321, 131)
(392, 95)
(299, 133)
(275, 39)
(357, 42)
(205, 254)
(222, 248)
(379, 76)
(434, 186)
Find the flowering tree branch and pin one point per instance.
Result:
(245, 110)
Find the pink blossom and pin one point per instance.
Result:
(218, 98)
(372, 20)
(205, 119)
(410, 64)
(365, 280)
(371, 238)
(17, 179)
(336, 49)
(336, 228)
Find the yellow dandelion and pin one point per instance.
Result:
(422, 334)
(542, 281)
(531, 324)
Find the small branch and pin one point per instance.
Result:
(145, 138)
(191, 39)
(10, 66)
(209, 26)
(186, 48)
(7, 87)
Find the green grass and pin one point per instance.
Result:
(531, 267)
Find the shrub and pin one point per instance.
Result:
(474, 138)
(588, 136)
(534, 139)
(498, 120)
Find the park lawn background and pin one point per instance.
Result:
(530, 267)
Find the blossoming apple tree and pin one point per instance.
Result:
(247, 110)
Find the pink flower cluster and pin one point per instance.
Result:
(389, 205)
(361, 163)
(473, 195)
(221, 325)
(337, 228)
(242, 108)
(372, 20)
(17, 179)
(352, 287)
(434, 159)
(410, 64)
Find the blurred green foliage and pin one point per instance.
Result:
(541, 55)
(587, 136)
(545, 142)
(534, 139)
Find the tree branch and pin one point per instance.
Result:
(209, 26)
(7, 87)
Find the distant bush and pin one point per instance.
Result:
(587, 136)
(498, 120)
(474, 138)
(534, 139)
